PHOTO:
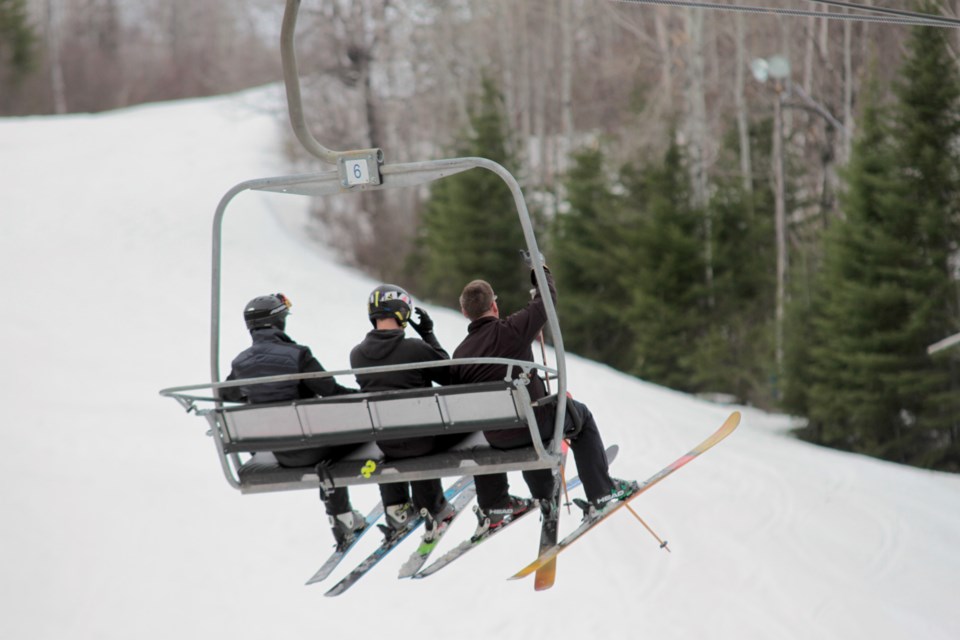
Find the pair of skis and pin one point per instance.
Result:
(461, 492)
(548, 525)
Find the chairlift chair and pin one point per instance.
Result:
(245, 435)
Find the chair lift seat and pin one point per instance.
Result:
(364, 418)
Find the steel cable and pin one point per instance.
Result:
(892, 16)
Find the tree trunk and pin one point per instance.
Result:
(666, 55)
(57, 85)
(848, 82)
(567, 31)
(697, 129)
(740, 99)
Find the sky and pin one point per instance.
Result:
(116, 520)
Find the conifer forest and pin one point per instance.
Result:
(753, 200)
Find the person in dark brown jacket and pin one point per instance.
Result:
(489, 335)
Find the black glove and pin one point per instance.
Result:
(425, 324)
(528, 260)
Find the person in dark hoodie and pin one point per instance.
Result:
(389, 310)
(274, 353)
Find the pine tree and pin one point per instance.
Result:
(862, 301)
(587, 258)
(735, 354)
(665, 272)
(886, 289)
(469, 225)
(927, 133)
(16, 38)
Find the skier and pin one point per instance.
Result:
(389, 311)
(274, 353)
(489, 335)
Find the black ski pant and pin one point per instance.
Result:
(336, 501)
(588, 452)
(427, 494)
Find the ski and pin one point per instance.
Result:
(420, 556)
(550, 529)
(473, 542)
(469, 544)
(390, 543)
(339, 554)
(725, 430)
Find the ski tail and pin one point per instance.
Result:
(550, 526)
(547, 574)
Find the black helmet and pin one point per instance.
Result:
(389, 301)
(267, 311)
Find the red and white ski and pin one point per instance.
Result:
(550, 554)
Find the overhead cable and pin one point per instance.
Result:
(912, 19)
(924, 17)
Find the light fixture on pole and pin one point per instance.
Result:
(777, 68)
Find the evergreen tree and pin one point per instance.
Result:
(16, 38)
(927, 133)
(863, 301)
(587, 257)
(886, 289)
(469, 225)
(735, 352)
(664, 272)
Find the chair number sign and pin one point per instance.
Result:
(367, 470)
(358, 172)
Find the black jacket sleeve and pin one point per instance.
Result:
(528, 322)
(232, 394)
(433, 352)
(319, 386)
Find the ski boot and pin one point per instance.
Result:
(345, 526)
(491, 519)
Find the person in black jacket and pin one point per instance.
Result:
(489, 336)
(389, 310)
(274, 353)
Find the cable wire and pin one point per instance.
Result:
(896, 18)
(924, 17)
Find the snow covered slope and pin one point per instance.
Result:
(116, 522)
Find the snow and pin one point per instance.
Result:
(116, 522)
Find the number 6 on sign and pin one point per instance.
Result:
(357, 172)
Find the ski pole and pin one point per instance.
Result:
(663, 543)
(546, 380)
(543, 352)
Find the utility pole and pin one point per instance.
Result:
(777, 68)
(780, 220)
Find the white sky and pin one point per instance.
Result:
(116, 522)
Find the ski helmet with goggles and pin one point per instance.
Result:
(389, 301)
(267, 311)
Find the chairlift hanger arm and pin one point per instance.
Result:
(358, 167)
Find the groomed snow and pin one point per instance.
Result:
(116, 522)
